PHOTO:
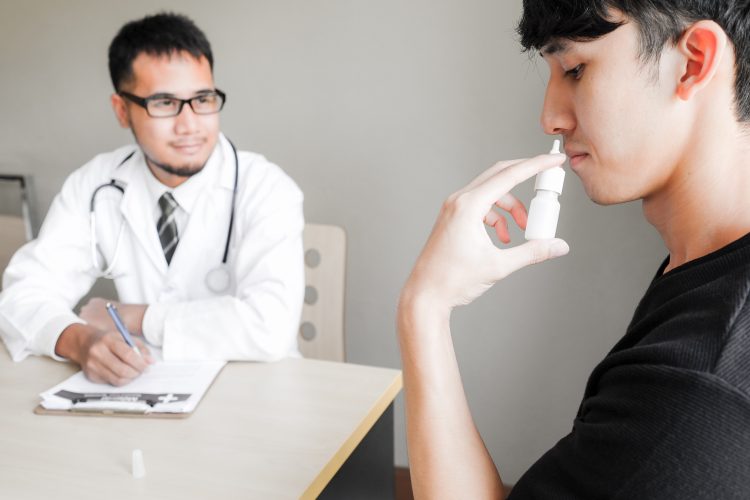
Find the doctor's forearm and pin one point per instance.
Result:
(261, 329)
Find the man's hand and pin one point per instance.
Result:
(459, 261)
(95, 314)
(103, 355)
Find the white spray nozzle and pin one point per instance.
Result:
(555, 147)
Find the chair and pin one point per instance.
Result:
(15, 230)
(321, 333)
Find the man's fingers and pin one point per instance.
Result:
(101, 371)
(491, 218)
(501, 229)
(510, 204)
(497, 221)
(121, 368)
(114, 355)
(531, 252)
(94, 376)
(145, 351)
(127, 356)
(517, 210)
(494, 187)
(493, 170)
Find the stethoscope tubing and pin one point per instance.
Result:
(234, 201)
(114, 183)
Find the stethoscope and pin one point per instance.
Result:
(218, 279)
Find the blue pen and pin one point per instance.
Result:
(112, 310)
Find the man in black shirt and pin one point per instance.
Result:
(653, 101)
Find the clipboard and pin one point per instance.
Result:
(40, 410)
(170, 390)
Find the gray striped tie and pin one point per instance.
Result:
(166, 225)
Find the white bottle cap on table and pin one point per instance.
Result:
(139, 468)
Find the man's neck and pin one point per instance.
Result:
(705, 205)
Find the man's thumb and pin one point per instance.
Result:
(532, 252)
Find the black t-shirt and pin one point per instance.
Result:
(666, 414)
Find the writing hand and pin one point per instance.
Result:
(103, 356)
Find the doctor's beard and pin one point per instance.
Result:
(183, 171)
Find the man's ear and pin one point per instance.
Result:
(120, 109)
(702, 47)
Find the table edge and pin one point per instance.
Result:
(334, 464)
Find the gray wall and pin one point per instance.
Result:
(378, 110)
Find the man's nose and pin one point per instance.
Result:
(557, 117)
(186, 121)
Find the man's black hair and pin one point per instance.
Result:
(163, 34)
(659, 22)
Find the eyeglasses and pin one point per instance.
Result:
(164, 106)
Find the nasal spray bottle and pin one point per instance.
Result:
(545, 209)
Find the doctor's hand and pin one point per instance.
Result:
(103, 355)
(459, 261)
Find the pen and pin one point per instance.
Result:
(112, 310)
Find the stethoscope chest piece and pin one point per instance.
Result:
(219, 279)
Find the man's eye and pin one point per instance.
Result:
(163, 103)
(206, 99)
(576, 72)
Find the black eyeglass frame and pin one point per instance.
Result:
(143, 102)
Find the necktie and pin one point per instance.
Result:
(166, 225)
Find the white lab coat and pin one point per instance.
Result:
(257, 319)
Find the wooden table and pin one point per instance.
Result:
(277, 430)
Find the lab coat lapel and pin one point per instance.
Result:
(208, 222)
(137, 211)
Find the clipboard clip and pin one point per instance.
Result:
(119, 401)
(111, 407)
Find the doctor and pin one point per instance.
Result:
(204, 243)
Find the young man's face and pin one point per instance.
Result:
(619, 116)
(179, 144)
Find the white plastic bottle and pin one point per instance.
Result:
(545, 209)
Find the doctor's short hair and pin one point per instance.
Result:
(659, 22)
(162, 34)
